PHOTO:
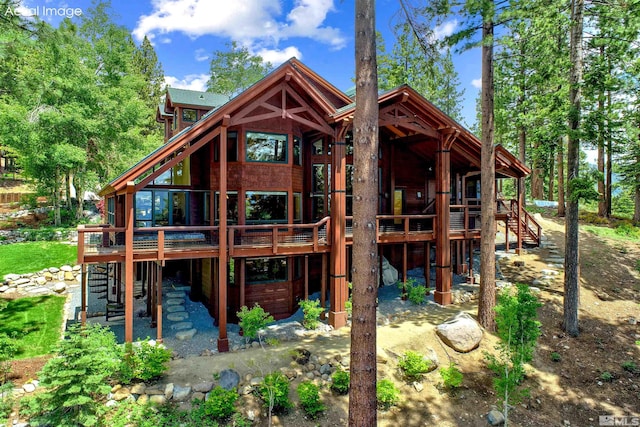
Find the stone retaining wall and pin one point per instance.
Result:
(46, 282)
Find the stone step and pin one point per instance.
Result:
(176, 294)
(181, 288)
(178, 316)
(182, 326)
(174, 301)
(185, 335)
(174, 309)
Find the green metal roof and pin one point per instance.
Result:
(194, 97)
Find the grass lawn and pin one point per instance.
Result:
(36, 322)
(31, 257)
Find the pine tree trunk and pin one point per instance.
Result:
(362, 391)
(602, 197)
(551, 174)
(571, 257)
(636, 196)
(522, 156)
(487, 298)
(561, 190)
(609, 184)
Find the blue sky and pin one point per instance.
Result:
(319, 32)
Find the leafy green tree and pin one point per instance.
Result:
(235, 69)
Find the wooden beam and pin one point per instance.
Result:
(83, 294)
(158, 267)
(223, 341)
(442, 294)
(128, 267)
(338, 282)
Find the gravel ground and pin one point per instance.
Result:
(390, 304)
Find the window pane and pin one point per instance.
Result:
(317, 207)
(317, 184)
(179, 213)
(161, 208)
(189, 115)
(232, 147)
(182, 173)
(266, 207)
(266, 147)
(317, 147)
(143, 208)
(163, 179)
(349, 179)
(297, 151)
(261, 270)
(232, 207)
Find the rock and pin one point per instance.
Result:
(229, 379)
(41, 280)
(181, 325)
(389, 273)
(180, 316)
(174, 301)
(116, 388)
(59, 287)
(139, 388)
(186, 334)
(495, 417)
(29, 388)
(256, 381)
(3, 288)
(180, 393)
(11, 277)
(246, 389)
(111, 403)
(143, 399)
(175, 294)
(48, 276)
(461, 332)
(153, 390)
(432, 357)
(121, 394)
(418, 386)
(168, 391)
(325, 369)
(157, 399)
(197, 396)
(301, 356)
(21, 282)
(549, 272)
(310, 375)
(54, 270)
(174, 309)
(65, 268)
(69, 277)
(203, 387)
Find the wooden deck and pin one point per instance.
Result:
(106, 244)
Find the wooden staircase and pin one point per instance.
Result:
(529, 227)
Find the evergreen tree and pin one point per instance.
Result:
(145, 62)
(235, 69)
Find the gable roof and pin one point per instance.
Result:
(195, 98)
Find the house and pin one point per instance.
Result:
(249, 200)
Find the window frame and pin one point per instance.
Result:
(285, 146)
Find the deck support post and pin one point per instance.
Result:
(442, 294)
(338, 277)
(128, 262)
(427, 264)
(243, 280)
(158, 277)
(520, 209)
(223, 340)
(306, 277)
(323, 286)
(470, 273)
(83, 294)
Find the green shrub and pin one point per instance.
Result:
(274, 391)
(129, 413)
(6, 401)
(30, 200)
(340, 382)
(144, 361)
(251, 321)
(311, 310)
(555, 357)
(309, 395)
(75, 380)
(413, 291)
(8, 349)
(413, 365)
(606, 376)
(387, 394)
(630, 366)
(451, 376)
(220, 405)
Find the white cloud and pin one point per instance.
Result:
(201, 55)
(445, 29)
(477, 83)
(250, 22)
(190, 81)
(165, 40)
(277, 57)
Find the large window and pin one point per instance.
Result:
(297, 207)
(320, 184)
(232, 148)
(266, 147)
(189, 115)
(155, 208)
(111, 211)
(265, 270)
(180, 174)
(263, 206)
(232, 207)
(297, 151)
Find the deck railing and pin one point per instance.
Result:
(405, 224)
(274, 235)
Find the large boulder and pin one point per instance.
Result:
(229, 379)
(461, 332)
(389, 273)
